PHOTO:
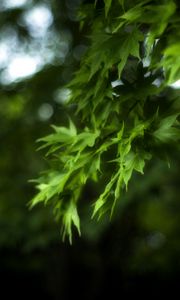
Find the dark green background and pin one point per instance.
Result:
(137, 252)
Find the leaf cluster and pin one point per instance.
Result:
(121, 96)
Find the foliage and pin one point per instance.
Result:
(125, 110)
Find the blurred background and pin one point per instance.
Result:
(138, 251)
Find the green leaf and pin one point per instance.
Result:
(70, 217)
(107, 6)
(171, 62)
(103, 197)
(166, 132)
(62, 136)
(130, 46)
(49, 186)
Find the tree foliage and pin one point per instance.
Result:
(125, 111)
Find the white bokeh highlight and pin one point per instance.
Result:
(22, 66)
(10, 4)
(22, 59)
(38, 20)
(45, 112)
(176, 84)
